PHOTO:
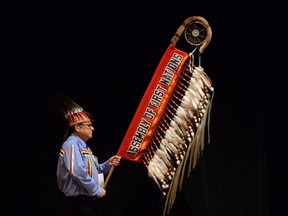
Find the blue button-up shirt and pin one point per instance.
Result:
(78, 169)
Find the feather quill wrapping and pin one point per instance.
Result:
(183, 140)
(196, 146)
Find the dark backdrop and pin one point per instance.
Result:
(103, 56)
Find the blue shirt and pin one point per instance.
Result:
(78, 169)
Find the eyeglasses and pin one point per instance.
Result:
(90, 126)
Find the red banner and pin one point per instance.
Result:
(153, 104)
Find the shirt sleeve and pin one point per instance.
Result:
(103, 167)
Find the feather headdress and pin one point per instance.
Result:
(65, 106)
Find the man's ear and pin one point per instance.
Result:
(77, 127)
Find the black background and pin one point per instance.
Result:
(103, 56)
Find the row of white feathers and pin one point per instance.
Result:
(184, 140)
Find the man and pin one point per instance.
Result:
(79, 175)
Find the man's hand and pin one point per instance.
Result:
(115, 160)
